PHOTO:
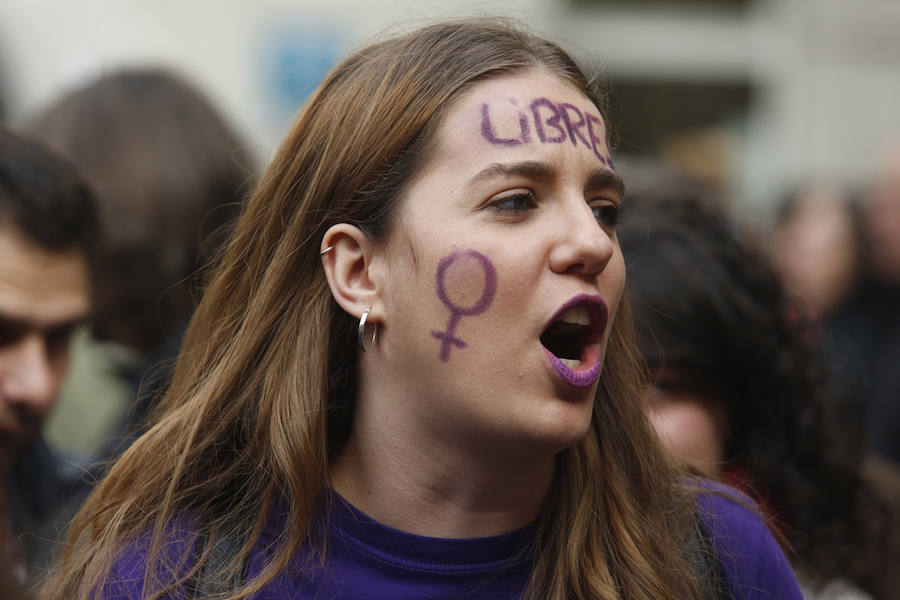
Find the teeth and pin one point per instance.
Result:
(577, 315)
(572, 363)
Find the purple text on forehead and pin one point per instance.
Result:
(552, 123)
(448, 338)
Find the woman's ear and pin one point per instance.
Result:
(347, 255)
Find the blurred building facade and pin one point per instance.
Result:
(755, 95)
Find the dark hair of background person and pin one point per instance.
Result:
(711, 305)
(790, 201)
(168, 172)
(43, 197)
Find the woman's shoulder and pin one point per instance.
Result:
(175, 553)
(729, 513)
(172, 555)
(751, 560)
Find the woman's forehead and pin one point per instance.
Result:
(525, 111)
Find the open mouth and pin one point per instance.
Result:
(572, 336)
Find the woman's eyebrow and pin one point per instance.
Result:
(602, 178)
(529, 168)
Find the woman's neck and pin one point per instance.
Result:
(415, 484)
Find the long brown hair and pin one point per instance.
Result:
(263, 391)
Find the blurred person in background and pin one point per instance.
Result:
(738, 392)
(170, 174)
(48, 226)
(876, 315)
(816, 250)
(881, 218)
(833, 257)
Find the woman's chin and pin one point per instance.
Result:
(558, 430)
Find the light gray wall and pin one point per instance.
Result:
(827, 71)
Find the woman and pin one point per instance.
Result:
(411, 375)
(738, 392)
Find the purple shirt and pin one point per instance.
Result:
(369, 560)
(751, 561)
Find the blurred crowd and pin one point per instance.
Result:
(752, 379)
(113, 202)
(772, 356)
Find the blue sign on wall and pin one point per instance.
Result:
(295, 59)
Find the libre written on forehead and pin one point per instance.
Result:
(510, 117)
(551, 123)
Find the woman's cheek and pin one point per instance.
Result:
(466, 284)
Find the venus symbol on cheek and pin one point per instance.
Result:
(489, 288)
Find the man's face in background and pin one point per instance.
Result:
(44, 294)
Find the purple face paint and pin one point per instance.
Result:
(574, 127)
(487, 130)
(609, 161)
(448, 337)
(552, 121)
(597, 144)
(524, 128)
(553, 124)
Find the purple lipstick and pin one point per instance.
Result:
(571, 339)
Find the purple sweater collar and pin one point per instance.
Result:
(416, 551)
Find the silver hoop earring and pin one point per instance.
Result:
(326, 250)
(362, 332)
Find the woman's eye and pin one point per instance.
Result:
(608, 215)
(515, 204)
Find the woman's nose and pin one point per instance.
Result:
(583, 247)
